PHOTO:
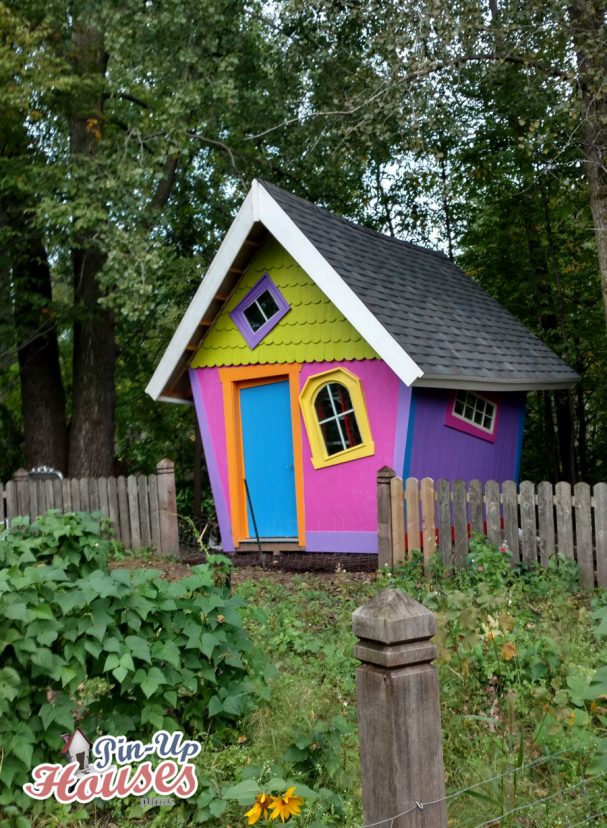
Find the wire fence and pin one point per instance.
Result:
(389, 822)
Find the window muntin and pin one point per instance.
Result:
(474, 414)
(260, 311)
(478, 411)
(336, 418)
(335, 414)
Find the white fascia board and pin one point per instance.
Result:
(295, 242)
(231, 245)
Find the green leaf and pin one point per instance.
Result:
(217, 807)
(152, 681)
(168, 652)
(215, 706)
(16, 612)
(138, 647)
(243, 792)
(208, 642)
(120, 673)
(23, 751)
(111, 662)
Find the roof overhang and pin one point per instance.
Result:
(261, 214)
(492, 384)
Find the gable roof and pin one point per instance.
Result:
(431, 324)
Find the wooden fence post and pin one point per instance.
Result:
(167, 507)
(384, 517)
(399, 713)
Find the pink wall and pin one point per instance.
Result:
(340, 501)
(343, 498)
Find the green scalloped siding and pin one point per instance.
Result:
(312, 331)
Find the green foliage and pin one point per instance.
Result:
(316, 752)
(120, 651)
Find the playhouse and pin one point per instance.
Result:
(317, 351)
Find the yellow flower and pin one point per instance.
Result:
(286, 806)
(261, 807)
(508, 651)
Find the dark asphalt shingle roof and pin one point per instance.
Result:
(445, 321)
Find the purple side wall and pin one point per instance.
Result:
(438, 451)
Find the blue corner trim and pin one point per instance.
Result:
(409, 447)
(519, 442)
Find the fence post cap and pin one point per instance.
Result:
(21, 474)
(386, 473)
(393, 617)
(165, 466)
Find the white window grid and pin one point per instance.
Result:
(337, 416)
(256, 302)
(475, 410)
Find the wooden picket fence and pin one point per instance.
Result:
(535, 521)
(142, 508)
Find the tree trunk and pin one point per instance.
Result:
(587, 19)
(94, 360)
(42, 394)
(25, 263)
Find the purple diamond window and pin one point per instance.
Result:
(262, 308)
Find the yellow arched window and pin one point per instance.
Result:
(335, 414)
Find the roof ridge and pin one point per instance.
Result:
(361, 227)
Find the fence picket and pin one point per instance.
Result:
(104, 506)
(75, 492)
(66, 495)
(600, 531)
(93, 494)
(510, 501)
(428, 520)
(564, 525)
(460, 523)
(21, 479)
(144, 511)
(41, 497)
(494, 524)
(412, 501)
(397, 496)
(49, 492)
(154, 515)
(112, 502)
(131, 487)
(85, 503)
(545, 513)
(583, 533)
(475, 496)
(528, 531)
(443, 496)
(124, 524)
(58, 494)
(12, 503)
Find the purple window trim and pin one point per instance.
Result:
(469, 428)
(253, 338)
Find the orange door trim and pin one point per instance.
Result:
(246, 376)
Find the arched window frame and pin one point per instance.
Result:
(320, 457)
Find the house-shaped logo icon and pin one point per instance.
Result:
(77, 748)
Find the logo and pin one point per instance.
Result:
(133, 773)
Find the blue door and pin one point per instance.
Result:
(267, 442)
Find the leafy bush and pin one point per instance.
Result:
(122, 652)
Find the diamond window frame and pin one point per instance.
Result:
(307, 399)
(468, 411)
(251, 337)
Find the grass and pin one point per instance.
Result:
(517, 655)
